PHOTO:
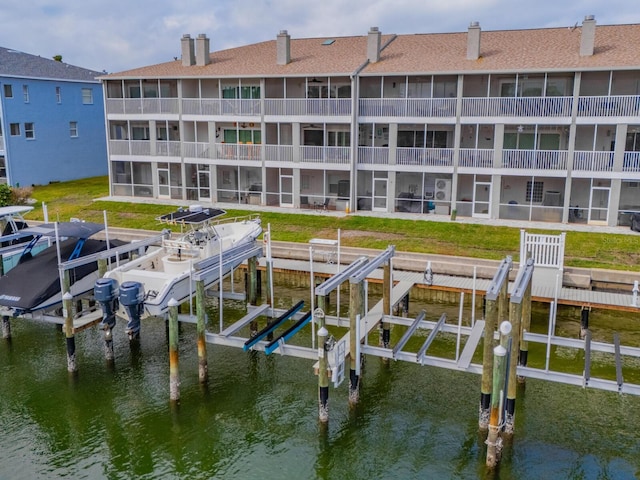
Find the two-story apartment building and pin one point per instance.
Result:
(51, 121)
(539, 124)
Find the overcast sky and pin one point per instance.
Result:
(119, 35)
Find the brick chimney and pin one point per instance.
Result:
(202, 50)
(283, 48)
(473, 41)
(373, 45)
(188, 54)
(588, 36)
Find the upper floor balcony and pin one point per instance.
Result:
(425, 157)
(592, 161)
(407, 107)
(609, 106)
(631, 162)
(517, 107)
(476, 158)
(534, 159)
(542, 107)
(221, 107)
(1, 143)
(329, 107)
(142, 106)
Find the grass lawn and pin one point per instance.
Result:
(591, 250)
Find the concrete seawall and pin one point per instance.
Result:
(583, 278)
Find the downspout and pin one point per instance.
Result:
(7, 163)
(107, 131)
(355, 114)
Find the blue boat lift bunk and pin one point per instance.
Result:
(271, 326)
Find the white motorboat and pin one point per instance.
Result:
(145, 285)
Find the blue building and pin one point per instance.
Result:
(51, 121)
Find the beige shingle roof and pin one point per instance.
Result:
(511, 50)
(616, 46)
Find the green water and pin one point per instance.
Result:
(257, 418)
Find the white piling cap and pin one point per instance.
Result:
(67, 296)
(172, 302)
(323, 332)
(500, 351)
(505, 328)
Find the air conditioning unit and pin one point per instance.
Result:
(442, 190)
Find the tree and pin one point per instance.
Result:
(57, 58)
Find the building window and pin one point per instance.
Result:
(29, 131)
(534, 191)
(87, 96)
(15, 129)
(58, 95)
(8, 91)
(73, 129)
(25, 93)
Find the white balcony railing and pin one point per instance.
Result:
(425, 157)
(140, 147)
(308, 106)
(590, 161)
(325, 155)
(221, 106)
(631, 162)
(476, 158)
(407, 107)
(198, 150)
(612, 106)
(167, 149)
(535, 159)
(133, 106)
(517, 107)
(119, 147)
(278, 153)
(373, 155)
(238, 151)
(1, 142)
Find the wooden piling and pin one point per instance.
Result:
(515, 316)
(494, 442)
(584, 321)
(323, 377)
(523, 354)
(6, 326)
(203, 366)
(102, 267)
(174, 373)
(491, 318)
(252, 294)
(67, 300)
(355, 307)
(109, 356)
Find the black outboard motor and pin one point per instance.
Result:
(105, 291)
(132, 299)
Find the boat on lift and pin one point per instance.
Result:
(11, 222)
(145, 285)
(34, 284)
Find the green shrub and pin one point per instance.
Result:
(5, 195)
